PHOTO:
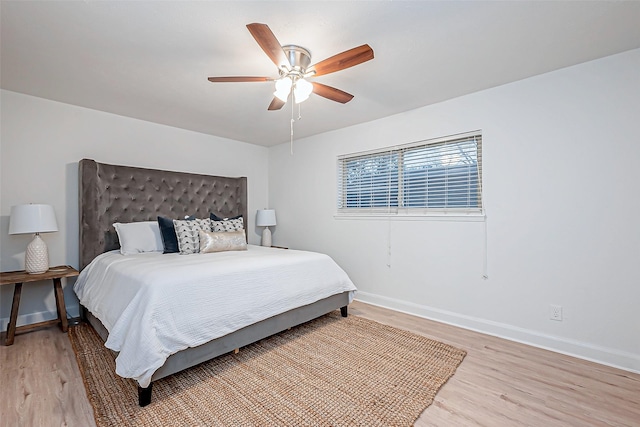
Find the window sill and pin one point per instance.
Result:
(432, 216)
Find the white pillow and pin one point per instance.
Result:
(138, 237)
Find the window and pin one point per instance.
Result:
(435, 176)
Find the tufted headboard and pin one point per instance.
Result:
(111, 193)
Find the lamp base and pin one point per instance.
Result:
(266, 237)
(36, 259)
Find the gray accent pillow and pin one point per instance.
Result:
(214, 217)
(234, 224)
(187, 234)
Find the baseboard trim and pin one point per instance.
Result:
(41, 316)
(586, 351)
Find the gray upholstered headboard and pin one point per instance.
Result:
(111, 193)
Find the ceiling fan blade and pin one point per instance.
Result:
(346, 59)
(331, 93)
(239, 79)
(270, 44)
(276, 104)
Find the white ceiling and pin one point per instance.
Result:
(150, 60)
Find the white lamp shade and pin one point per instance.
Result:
(302, 90)
(26, 219)
(283, 88)
(266, 218)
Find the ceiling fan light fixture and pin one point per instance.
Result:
(302, 90)
(283, 88)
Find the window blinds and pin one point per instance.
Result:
(430, 176)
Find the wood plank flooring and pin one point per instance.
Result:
(500, 383)
(40, 383)
(503, 383)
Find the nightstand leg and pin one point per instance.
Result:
(62, 311)
(11, 328)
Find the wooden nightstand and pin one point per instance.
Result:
(20, 277)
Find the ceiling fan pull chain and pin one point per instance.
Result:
(292, 121)
(292, 136)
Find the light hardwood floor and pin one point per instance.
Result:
(499, 383)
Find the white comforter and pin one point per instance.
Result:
(154, 304)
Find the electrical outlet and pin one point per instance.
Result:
(555, 312)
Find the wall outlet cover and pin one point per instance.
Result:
(555, 312)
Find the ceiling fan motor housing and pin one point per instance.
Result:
(298, 57)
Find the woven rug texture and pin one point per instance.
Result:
(332, 371)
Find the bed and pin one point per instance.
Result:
(111, 194)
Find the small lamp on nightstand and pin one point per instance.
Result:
(27, 219)
(266, 218)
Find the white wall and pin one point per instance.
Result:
(40, 146)
(560, 176)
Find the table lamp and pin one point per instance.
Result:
(266, 218)
(27, 219)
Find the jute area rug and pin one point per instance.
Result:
(332, 371)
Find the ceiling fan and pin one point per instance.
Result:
(293, 68)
